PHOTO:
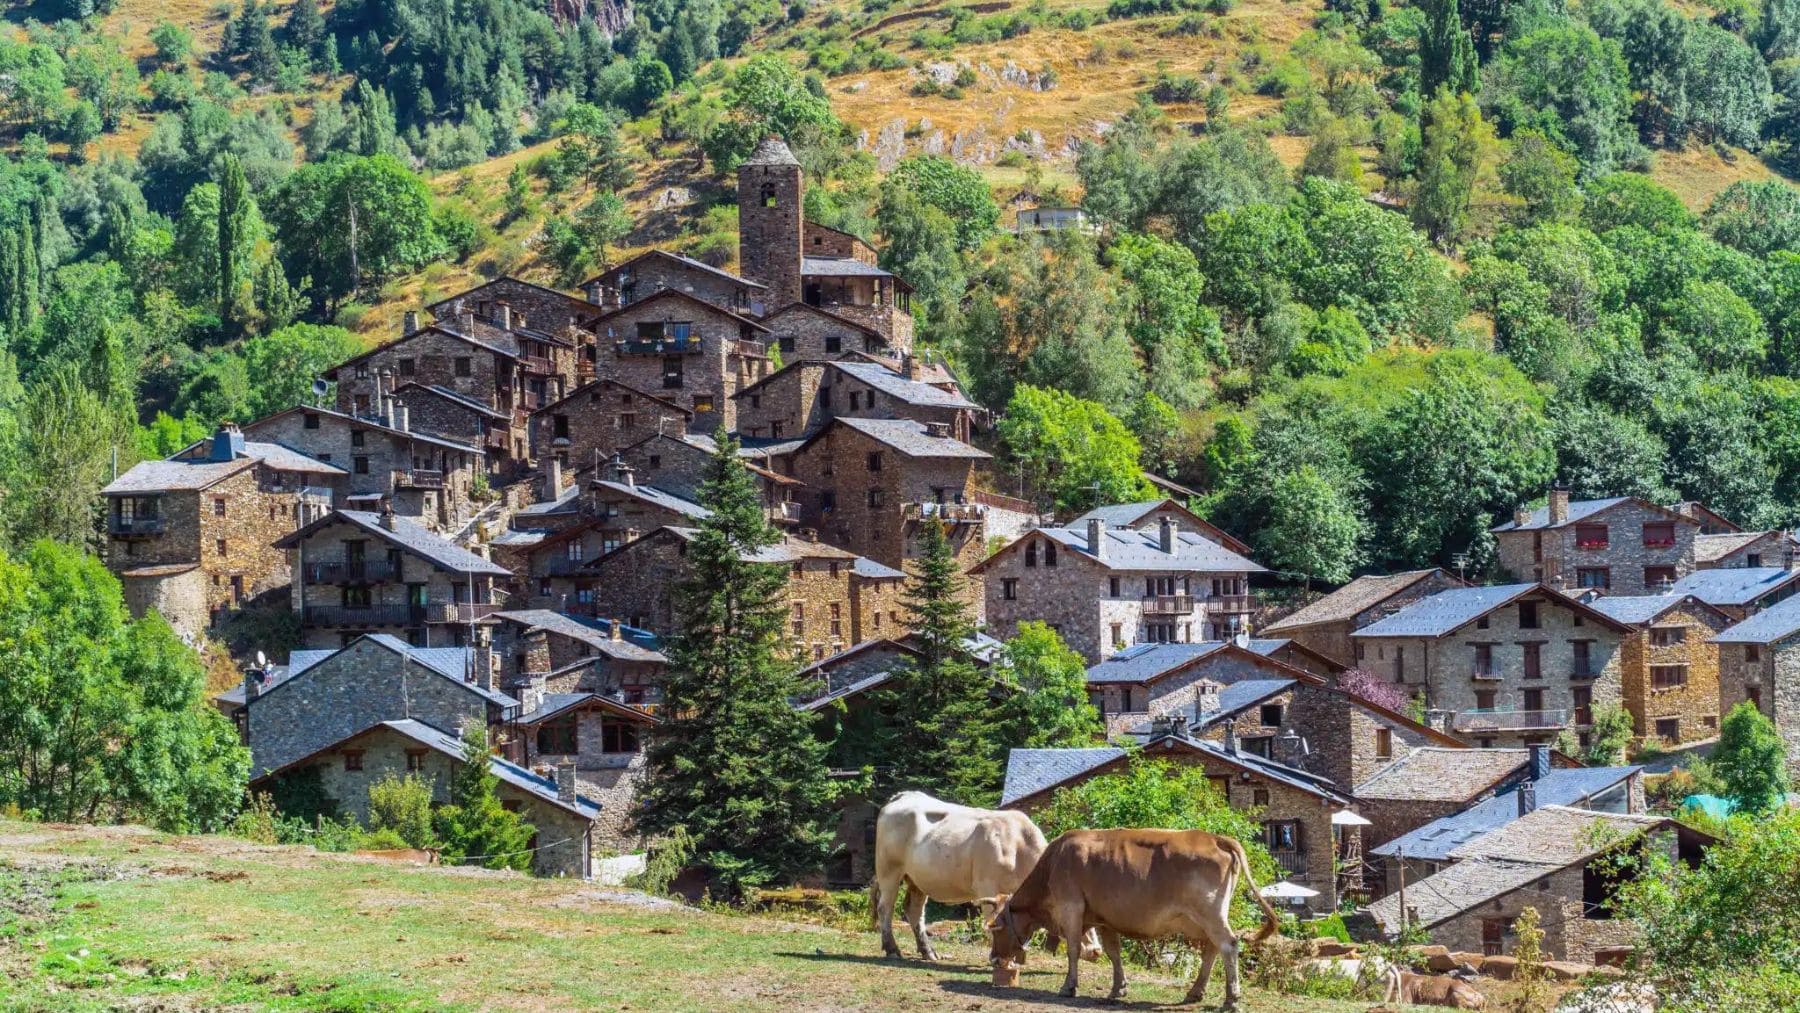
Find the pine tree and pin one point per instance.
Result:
(255, 42)
(306, 27)
(1446, 52)
(944, 732)
(734, 762)
(240, 226)
(475, 827)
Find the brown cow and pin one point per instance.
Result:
(1409, 989)
(1136, 884)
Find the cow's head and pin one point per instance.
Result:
(1011, 931)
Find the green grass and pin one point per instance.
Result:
(99, 919)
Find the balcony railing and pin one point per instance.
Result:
(784, 511)
(1169, 604)
(419, 478)
(1292, 862)
(135, 527)
(459, 612)
(1485, 675)
(369, 615)
(558, 566)
(658, 346)
(367, 571)
(741, 346)
(1230, 603)
(954, 513)
(1497, 720)
(536, 364)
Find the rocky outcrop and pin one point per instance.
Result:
(613, 16)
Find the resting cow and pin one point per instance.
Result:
(951, 853)
(1136, 884)
(1409, 989)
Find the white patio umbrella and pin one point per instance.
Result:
(1285, 890)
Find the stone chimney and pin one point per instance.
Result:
(1096, 537)
(384, 383)
(227, 443)
(552, 477)
(465, 321)
(1559, 503)
(410, 322)
(1231, 738)
(596, 293)
(1521, 517)
(485, 663)
(622, 472)
(1178, 725)
(565, 780)
(387, 514)
(401, 418)
(1166, 535)
(1206, 697)
(1540, 762)
(940, 429)
(253, 683)
(618, 630)
(909, 366)
(1527, 798)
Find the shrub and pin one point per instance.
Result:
(402, 806)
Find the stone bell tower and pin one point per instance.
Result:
(769, 222)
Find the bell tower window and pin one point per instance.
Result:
(768, 195)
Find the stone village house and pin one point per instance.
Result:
(599, 419)
(1669, 665)
(1622, 545)
(1429, 783)
(194, 535)
(1512, 664)
(1325, 625)
(1106, 589)
(1149, 680)
(677, 464)
(1759, 662)
(357, 572)
(541, 652)
(1740, 592)
(601, 740)
(684, 350)
(803, 396)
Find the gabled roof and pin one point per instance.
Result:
(1435, 841)
(1232, 700)
(453, 663)
(1704, 514)
(507, 279)
(1040, 768)
(837, 318)
(1738, 585)
(370, 424)
(1353, 599)
(510, 353)
(681, 259)
(1777, 622)
(1438, 774)
(408, 535)
(1140, 550)
(1129, 515)
(655, 497)
(788, 550)
(1030, 771)
(1583, 510)
(1448, 611)
(588, 387)
(873, 374)
(840, 267)
(671, 293)
(904, 435)
(186, 475)
(632, 644)
(556, 704)
(454, 397)
(1146, 663)
(1639, 609)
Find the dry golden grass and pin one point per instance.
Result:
(1699, 174)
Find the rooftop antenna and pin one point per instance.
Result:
(1461, 561)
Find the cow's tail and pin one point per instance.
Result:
(1271, 921)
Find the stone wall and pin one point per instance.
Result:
(644, 276)
(431, 357)
(433, 413)
(636, 583)
(1125, 705)
(708, 376)
(808, 332)
(770, 229)
(1552, 555)
(1776, 677)
(540, 309)
(1333, 639)
(180, 597)
(879, 607)
(601, 419)
(1568, 935)
(327, 545)
(1694, 705)
(1345, 736)
(376, 458)
(786, 406)
(669, 464)
(823, 241)
(1769, 550)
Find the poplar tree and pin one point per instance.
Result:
(734, 762)
(1446, 52)
(240, 225)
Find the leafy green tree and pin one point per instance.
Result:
(474, 827)
(1657, 42)
(1367, 261)
(1728, 87)
(1611, 734)
(1751, 759)
(352, 221)
(80, 129)
(944, 735)
(1777, 31)
(1064, 447)
(1602, 453)
(1049, 708)
(1446, 52)
(1757, 217)
(763, 97)
(1119, 176)
(1248, 256)
(173, 43)
(590, 148)
(1226, 169)
(280, 366)
(1543, 176)
(101, 718)
(733, 761)
(1330, 155)
(402, 805)
(920, 246)
(959, 192)
(1334, 342)
(1575, 87)
(1717, 324)
(1180, 337)
(603, 222)
(651, 80)
(1628, 198)
(1456, 141)
(1314, 529)
(240, 228)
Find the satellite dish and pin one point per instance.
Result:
(261, 660)
(319, 388)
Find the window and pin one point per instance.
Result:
(463, 366)
(1258, 796)
(874, 460)
(768, 196)
(1031, 553)
(1590, 536)
(362, 370)
(1484, 699)
(702, 404)
(218, 506)
(353, 759)
(557, 736)
(415, 759)
(1754, 695)
(1484, 660)
(1752, 559)
(1384, 743)
(1581, 666)
(559, 427)
(1533, 656)
(360, 464)
(1657, 576)
(356, 437)
(1667, 636)
(1752, 654)
(825, 398)
(1493, 936)
(1049, 553)
(1583, 698)
(1668, 729)
(833, 344)
(655, 461)
(1482, 623)
(1593, 576)
(407, 367)
(1112, 587)
(837, 620)
(787, 342)
(310, 420)
(874, 499)
(1009, 590)
(799, 619)
(1271, 715)
(220, 546)
(672, 372)
(1668, 676)
(855, 400)
(1534, 699)
(1118, 634)
(1528, 615)
(1284, 839)
(618, 737)
(1659, 535)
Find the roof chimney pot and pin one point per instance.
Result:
(387, 514)
(1167, 532)
(1559, 504)
(1096, 537)
(565, 781)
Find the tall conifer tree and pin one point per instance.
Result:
(1446, 51)
(734, 762)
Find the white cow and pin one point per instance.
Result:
(951, 853)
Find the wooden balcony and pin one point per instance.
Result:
(537, 364)
(362, 571)
(1169, 604)
(459, 612)
(951, 513)
(1230, 604)
(557, 566)
(784, 513)
(1498, 720)
(135, 527)
(363, 616)
(419, 478)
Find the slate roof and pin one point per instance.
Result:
(1709, 548)
(771, 150)
(1566, 787)
(913, 392)
(455, 397)
(911, 438)
(633, 644)
(453, 663)
(866, 567)
(840, 267)
(509, 279)
(1580, 510)
(174, 476)
(564, 500)
(1233, 699)
(803, 307)
(589, 387)
(684, 261)
(1142, 550)
(1439, 774)
(1029, 771)
(1141, 663)
(408, 534)
(1741, 585)
(1637, 609)
(556, 703)
(656, 497)
(1448, 611)
(518, 777)
(368, 423)
(283, 458)
(1351, 600)
(1777, 622)
(1129, 515)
